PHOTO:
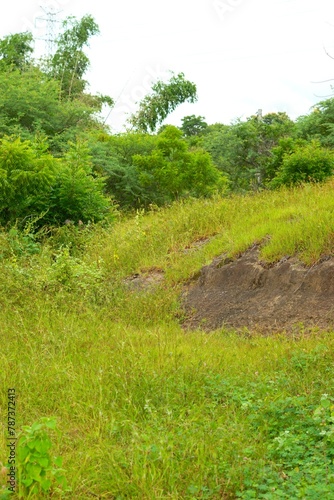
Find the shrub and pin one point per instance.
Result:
(76, 194)
(172, 171)
(306, 163)
(26, 170)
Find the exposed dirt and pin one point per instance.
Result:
(247, 293)
(146, 280)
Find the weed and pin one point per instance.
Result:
(300, 452)
(38, 474)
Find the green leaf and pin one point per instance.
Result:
(51, 423)
(27, 482)
(45, 484)
(43, 445)
(43, 462)
(325, 403)
(31, 444)
(58, 461)
(34, 471)
(22, 452)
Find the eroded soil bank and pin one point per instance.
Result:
(247, 293)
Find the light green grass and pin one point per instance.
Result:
(144, 409)
(299, 221)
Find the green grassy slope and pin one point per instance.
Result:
(145, 410)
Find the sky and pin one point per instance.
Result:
(243, 55)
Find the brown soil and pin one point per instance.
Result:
(247, 293)
(145, 280)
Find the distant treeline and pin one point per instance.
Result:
(59, 161)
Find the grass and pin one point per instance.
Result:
(145, 410)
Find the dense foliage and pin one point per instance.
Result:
(172, 171)
(35, 184)
(60, 162)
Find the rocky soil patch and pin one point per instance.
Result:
(247, 293)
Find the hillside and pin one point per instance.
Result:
(95, 332)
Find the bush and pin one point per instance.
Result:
(307, 163)
(26, 170)
(172, 171)
(34, 184)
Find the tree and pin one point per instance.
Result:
(319, 124)
(47, 98)
(172, 171)
(112, 158)
(233, 149)
(28, 102)
(243, 149)
(30, 105)
(34, 183)
(75, 194)
(286, 146)
(193, 125)
(164, 99)
(16, 51)
(70, 63)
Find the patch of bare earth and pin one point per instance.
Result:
(145, 280)
(247, 293)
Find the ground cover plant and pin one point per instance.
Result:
(144, 409)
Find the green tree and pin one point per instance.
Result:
(34, 183)
(318, 124)
(233, 149)
(285, 146)
(30, 105)
(28, 102)
(125, 146)
(172, 171)
(112, 158)
(16, 51)
(193, 125)
(243, 150)
(69, 63)
(32, 96)
(164, 99)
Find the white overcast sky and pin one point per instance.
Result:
(243, 55)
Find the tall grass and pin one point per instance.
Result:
(144, 409)
(296, 222)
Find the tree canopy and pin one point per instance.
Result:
(164, 98)
(16, 51)
(69, 63)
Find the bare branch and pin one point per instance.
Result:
(323, 96)
(328, 54)
(324, 81)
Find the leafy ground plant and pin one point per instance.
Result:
(39, 474)
(300, 455)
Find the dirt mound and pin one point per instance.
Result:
(246, 292)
